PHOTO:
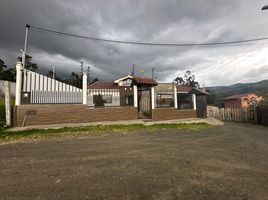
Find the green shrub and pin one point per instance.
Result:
(99, 101)
(263, 103)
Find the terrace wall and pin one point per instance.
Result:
(45, 114)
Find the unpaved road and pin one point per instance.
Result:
(227, 162)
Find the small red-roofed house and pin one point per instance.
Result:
(241, 100)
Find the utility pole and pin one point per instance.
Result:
(133, 70)
(88, 74)
(265, 7)
(25, 46)
(153, 73)
(81, 68)
(53, 72)
(81, 73)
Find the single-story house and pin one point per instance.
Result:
(241, 100)
(41, 100)
(151, 97)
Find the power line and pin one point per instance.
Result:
(34, 28)
(230, 64)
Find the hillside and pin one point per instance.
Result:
(218, 92)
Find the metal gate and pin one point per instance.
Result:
(201, 106)
(144, 104)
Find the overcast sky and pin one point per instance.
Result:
(161, 21)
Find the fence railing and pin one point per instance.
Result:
(232, 114)
(40, 89)
(55, 97)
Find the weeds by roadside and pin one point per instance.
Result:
(68, 131)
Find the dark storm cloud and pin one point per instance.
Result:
(143, 20)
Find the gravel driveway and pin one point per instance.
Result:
(226, 162)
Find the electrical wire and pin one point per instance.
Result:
(35, 28)
(230, 64)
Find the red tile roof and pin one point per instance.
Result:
(191, 90)
(144, 81)
(183, 88)
(238, 96)
(103, 85)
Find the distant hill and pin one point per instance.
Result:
(218, 92)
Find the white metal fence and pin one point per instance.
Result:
(39, 89)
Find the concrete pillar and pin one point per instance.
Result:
(194, 101)
(175, 97)
(7, 103)
(152, 97)
(135, 96)
(84, 88)
(19, 69)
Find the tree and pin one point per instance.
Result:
(263, 102)
(95, 80)
(75, 80)
(252, 101)
(28, 63)
(188, 79)
(2, 65)
(6, 74)
(58, 78)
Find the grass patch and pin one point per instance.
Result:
(68, 131)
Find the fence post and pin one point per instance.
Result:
(84, 88)
(18, 83)
(7, 103)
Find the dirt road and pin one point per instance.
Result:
(227, 162)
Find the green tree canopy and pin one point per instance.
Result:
(188, 79)
(29, 64)
(8, 74)
(2, 65)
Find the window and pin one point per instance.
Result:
(107, 99)
(164, 100)
(185, 101)
(127, 82)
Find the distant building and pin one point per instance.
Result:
(241, 100)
